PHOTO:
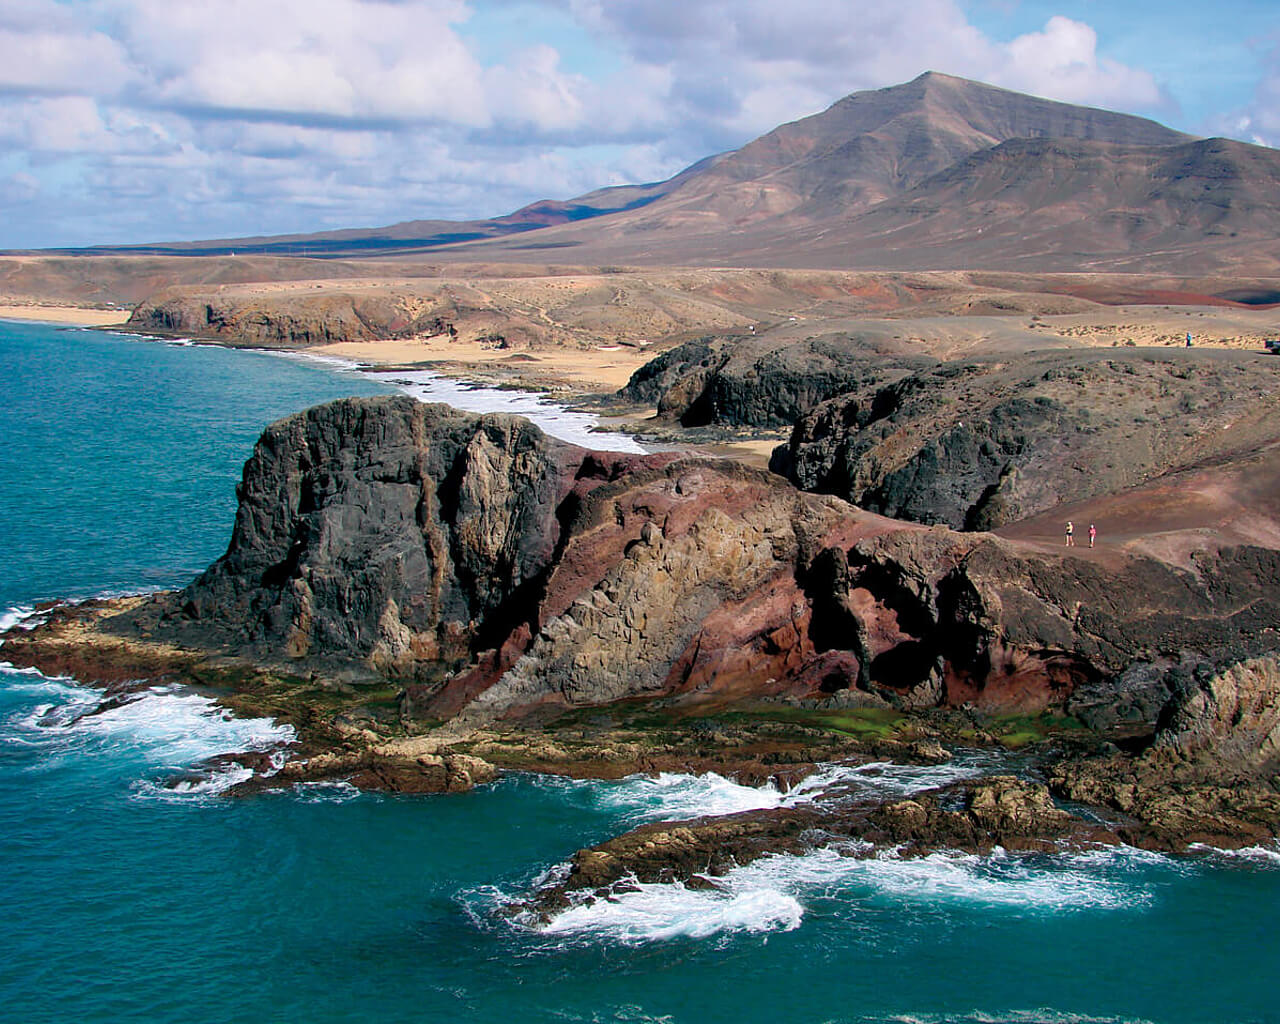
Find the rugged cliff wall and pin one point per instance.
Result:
(767, 382)
(388, 532)
(976, 445)
(494, 571)
(272, 321)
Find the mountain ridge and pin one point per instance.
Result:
(903, 177)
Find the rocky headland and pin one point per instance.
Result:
(430, 597)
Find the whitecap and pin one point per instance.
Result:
(674, 796)
(339, 792)
(1025, 882)
(164, 730)
(1043, 1015)
(1267, 856)
(208, 784)
(653, 913)
(770, 894)
(19, 616)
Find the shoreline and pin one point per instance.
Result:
(580, 371)
(71, 316)
(769, 744)
(567, 377)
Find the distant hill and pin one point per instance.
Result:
(938, 173)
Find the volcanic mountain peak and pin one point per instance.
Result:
(937, 173)
(873, 144)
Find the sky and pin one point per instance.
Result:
(157, 120)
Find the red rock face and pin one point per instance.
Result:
(494, 572)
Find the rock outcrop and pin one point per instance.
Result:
(767, 381)
(266, 320)
(977, 817)
(494, 571)
(390, 533)
(976, 445)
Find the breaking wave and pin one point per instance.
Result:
(167, 735)
(20, 616)
(774, 893)
(1039, 1016)
(673, 796)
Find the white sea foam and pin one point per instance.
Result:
(770, 894)
(325, 792)
(574, 427)
(673, 796)
(331, 362)
(1262, 856)
(20, 617)
(653, 913)
(1043, 1015)
(206, 785)
(162, 730)
(999, 880)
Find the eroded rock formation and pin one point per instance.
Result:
(976, 445)
(264, 320)
(495, 571)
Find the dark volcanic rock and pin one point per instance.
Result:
(386, 530)
(979, 445)
(498, 571)
(745, 380)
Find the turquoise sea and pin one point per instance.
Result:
(124, 900)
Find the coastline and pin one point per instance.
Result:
(76, 316)
(581, 371)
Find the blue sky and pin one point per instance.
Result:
(141, 120)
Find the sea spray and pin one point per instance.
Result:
(774, 892)
(164, 731)
(671, 796)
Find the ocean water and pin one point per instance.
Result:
(125, 899)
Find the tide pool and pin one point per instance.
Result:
(124, 900)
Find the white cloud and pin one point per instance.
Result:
(1062, 62)
(39, 59)
(1259, 122)
(188, 119)
(744, 61)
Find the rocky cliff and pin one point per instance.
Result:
(391, 533)
(976, 445)
(495, 571)
(301, 320)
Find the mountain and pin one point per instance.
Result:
(937, 173)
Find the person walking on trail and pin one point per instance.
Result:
(1071, 534)
(1188, 339)
(1093, 534)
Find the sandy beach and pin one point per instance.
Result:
(76, 315)
(604, 368)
